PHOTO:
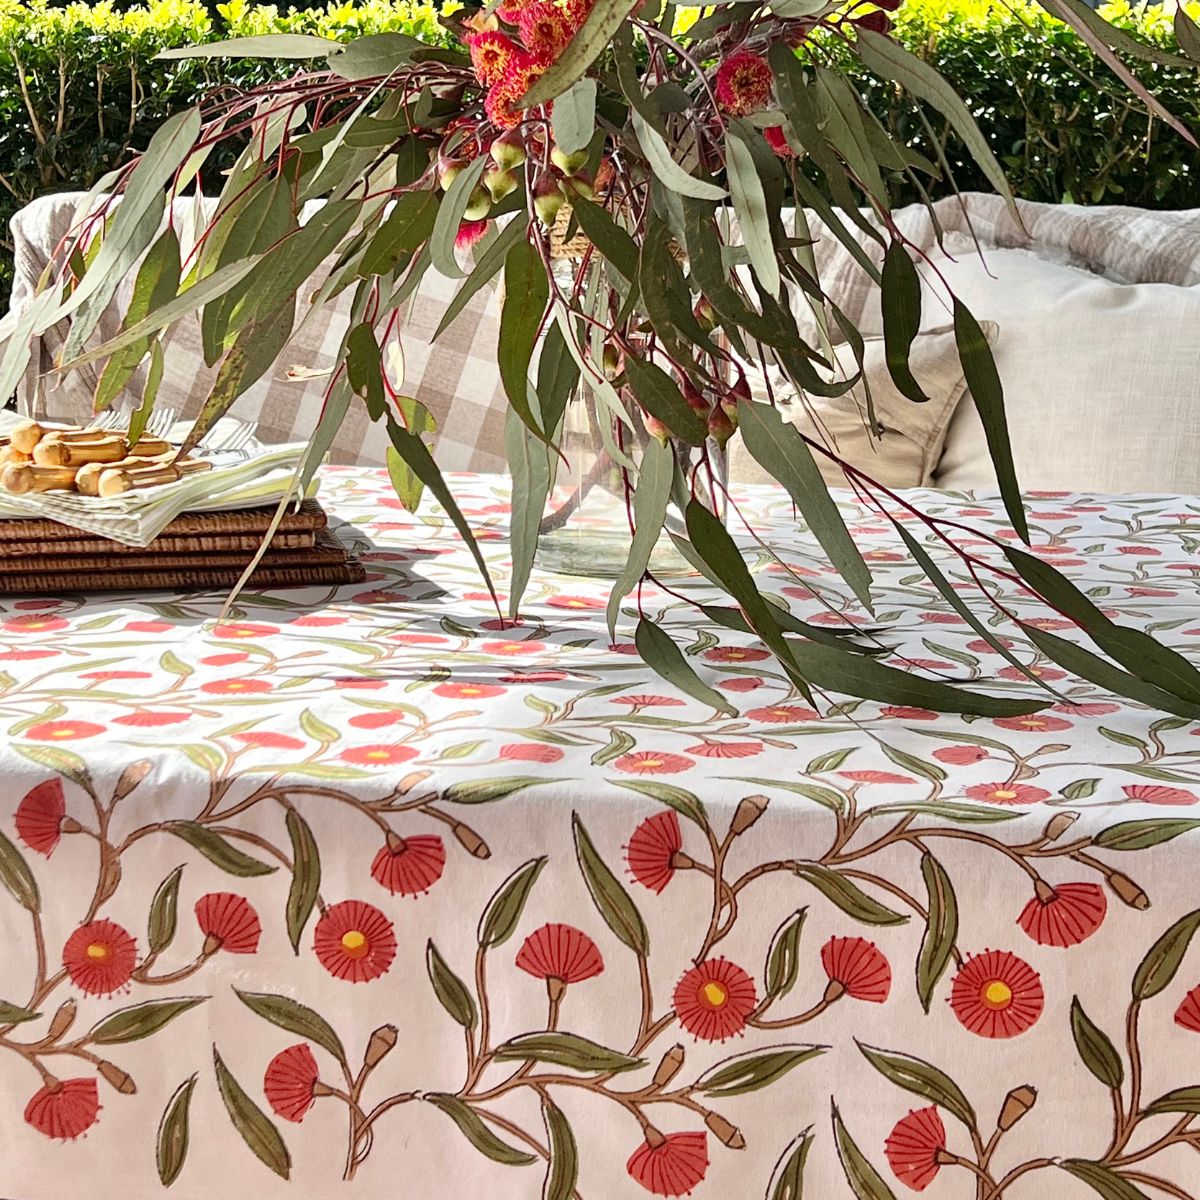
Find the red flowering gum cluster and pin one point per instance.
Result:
(743, 83)
(508, 61)
(743, 86)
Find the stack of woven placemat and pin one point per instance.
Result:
(195, 552)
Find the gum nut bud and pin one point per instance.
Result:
(705, 314)
(63, 1020)
(720, 427)
(1128, 892)
(70, 825)
(1016, 1104)
(470, 841)
(748, 811)
(655, 428)
(508, 150)
(1058, 825)
(500, 184)
(654, 1137)
(448, 170)
(380, 1045)
(547, 200)
(669, 1066)
(568, 164)
(725, 1131)
(478, 206)
(582, 185)
(729, 406)
(695, 398)
(130, 778)
(612, 361)
(116, 1078)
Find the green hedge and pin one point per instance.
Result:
(79, 89)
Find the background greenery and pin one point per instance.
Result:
(79, 89)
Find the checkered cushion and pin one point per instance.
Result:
(456, 379)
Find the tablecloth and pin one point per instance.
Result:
(368, 885)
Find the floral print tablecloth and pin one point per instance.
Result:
(369, 886)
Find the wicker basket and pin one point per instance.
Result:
(577, 247)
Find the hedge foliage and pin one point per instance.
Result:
(79, 88)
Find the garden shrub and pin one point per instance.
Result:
(79, 89)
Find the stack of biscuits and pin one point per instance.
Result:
(197, 551)
(88, 461)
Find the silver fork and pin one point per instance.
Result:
(161, 419)
(229, 442)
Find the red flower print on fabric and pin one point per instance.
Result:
(100, 957)
(35, 624)
(236, 630)
(1187, 1015)
(378, 756)
(1007, 793)
(905, 712)
(713, 1000)
(876, 777)
(652, 849)
(1033, 723)
(735, 654)
(149, 718)
(376, 720)
(673, 1165)
(546, 676)
(468, 691)
(235, 687)
(997, 995)
(1064, 915)
(1154, 793)
(289, 1081)
(409, 866)
(648, 762)
(40, 816)
(355, 941)
(63, 731)
(560, 954)
(746, 683)
(783, 714)
(512, 647)
(857, 968)
(960, 756)
(64, 1109)
(228, 923)
(913, 1147)
(578, 603)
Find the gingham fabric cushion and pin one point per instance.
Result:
(456, 379)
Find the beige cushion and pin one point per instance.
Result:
(1101, 380)
(904, 447)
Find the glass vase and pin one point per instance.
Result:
(588, 524)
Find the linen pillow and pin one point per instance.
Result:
(1101, 379)
(906, 444)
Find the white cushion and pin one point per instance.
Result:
(1101, 379)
